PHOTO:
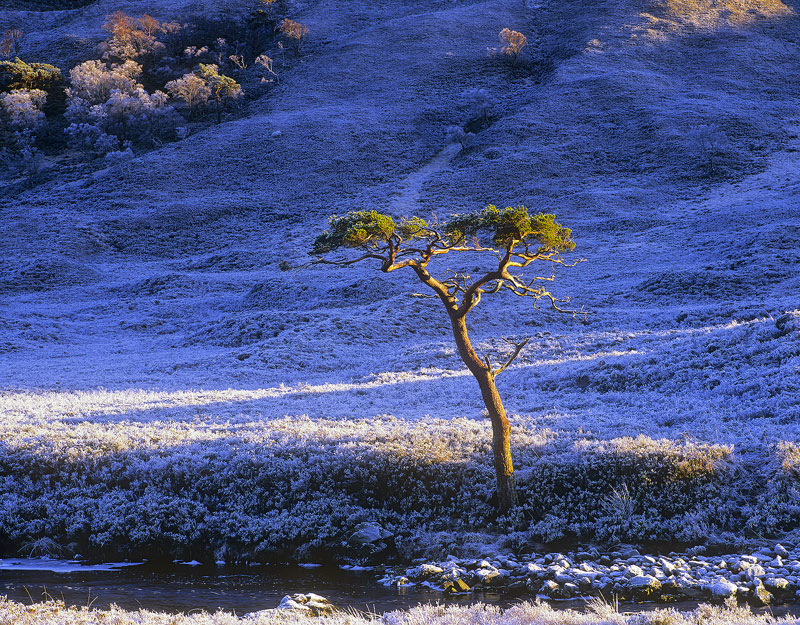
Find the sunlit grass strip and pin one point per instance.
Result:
(56, 613)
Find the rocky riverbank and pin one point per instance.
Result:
(768, 575)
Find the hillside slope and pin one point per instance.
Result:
(162, 273)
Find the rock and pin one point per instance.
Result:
(365, 533)
(563, 578)
(667, 567)
(721, 589)
(777, 585)
(551, 589)
(276, 133)
(310, 604)
(634, 571)
(760, 596)
(780, 551)
(425, 572)
(643, 585)
(753, 572)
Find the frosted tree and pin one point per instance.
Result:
(295, 32)
(511, 237)
(191, 89)
(513, 43)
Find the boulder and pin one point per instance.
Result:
(643, 586)
(309, 604)
(721, 590)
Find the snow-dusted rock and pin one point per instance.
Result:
(721, 589)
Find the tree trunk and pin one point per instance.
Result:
(219, 111)
(501, 428)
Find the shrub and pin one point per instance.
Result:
(18, 74)
(708, 141)
(478, 103)
(456, 134)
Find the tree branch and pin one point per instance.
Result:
(517, 349)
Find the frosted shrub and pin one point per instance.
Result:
(478, 103)
(708, 141)
(456, 134)
(93, 81)
(91, 138)
(266, 64)
(23, 107)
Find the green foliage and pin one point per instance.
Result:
(18, 74)
(222, 86)
(355, 229)
(509, 225)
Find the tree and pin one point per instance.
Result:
(296, 32)
(222, 87)
(513, 43)
(512, 236)
(191, 89)
(10, 43)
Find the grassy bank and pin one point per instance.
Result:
(296, 488)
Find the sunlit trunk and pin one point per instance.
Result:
(501, 428)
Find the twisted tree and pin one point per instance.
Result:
(511, 235)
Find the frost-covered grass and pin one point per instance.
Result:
(254, 413)
(55, 613)
(258, 489)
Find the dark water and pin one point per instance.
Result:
(186, 589)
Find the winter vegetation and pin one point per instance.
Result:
(179, 382)
(104, 108)
(55, 613)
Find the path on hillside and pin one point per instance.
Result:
(409, 189)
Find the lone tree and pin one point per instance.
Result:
(515, 238)
(222, 87)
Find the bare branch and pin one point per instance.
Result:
(517, 349)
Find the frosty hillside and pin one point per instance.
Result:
(169, 391)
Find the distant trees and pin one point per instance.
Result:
(10, 43)
(510, 237)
